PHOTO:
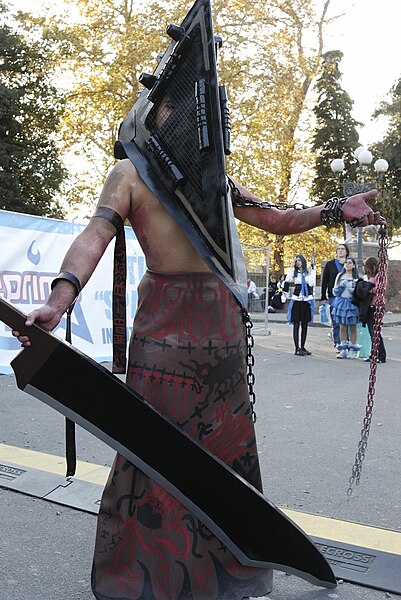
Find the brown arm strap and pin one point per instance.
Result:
(119, 318)
(110, 215)
(119, 289)
(70, 444)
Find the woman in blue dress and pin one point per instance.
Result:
(344, 312)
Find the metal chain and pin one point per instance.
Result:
(250, 359)
(240, 200)
(379, 312)
(331, 213)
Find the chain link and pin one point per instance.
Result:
(240, 200)
(265, 204)
(379, 312)
(250, 359)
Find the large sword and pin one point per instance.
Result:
(252, 528)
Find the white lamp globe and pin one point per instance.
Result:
(358, 151)
(365, 157)
(381, 166)
(337, 165)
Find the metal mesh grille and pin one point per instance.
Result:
(173, 120)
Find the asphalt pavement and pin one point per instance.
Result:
(310, 412)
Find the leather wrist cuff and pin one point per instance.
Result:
(69, 277)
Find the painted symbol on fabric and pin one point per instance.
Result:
(153, 374)
(131, 497)
(199, 532)
(222, 377)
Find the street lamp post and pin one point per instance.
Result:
(362, 183)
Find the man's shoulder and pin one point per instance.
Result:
(125, 168)
(125, 177)
(330, 263)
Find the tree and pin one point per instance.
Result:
(99, 56)
(30, 169)
(265, 62)
(336, 134)
(388, 201)
(278, 66)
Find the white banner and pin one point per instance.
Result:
(32, 249)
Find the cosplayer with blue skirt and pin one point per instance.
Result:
(345, 313)
(330, 272)
(302, 304)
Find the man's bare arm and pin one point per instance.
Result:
(87, 249)
(290, 221)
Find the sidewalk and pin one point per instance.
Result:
(390, 319)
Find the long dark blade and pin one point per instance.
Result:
(255, 531)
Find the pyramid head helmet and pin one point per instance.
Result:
(177, 135)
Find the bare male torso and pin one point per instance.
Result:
(166, 247)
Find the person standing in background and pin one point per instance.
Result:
(252, 293)
(301, 307)
(345, 313)
(371, 270)
(330, 272)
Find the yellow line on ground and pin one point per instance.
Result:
(336, 530)
(347, 532)
(53, 464)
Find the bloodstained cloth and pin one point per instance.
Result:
(187, 357)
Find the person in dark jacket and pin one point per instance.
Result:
(371, 270)
(361, 297)
(330, 272)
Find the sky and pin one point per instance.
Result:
(369, 37)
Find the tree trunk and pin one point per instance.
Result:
(278, 255)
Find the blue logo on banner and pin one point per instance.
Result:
(33, 257)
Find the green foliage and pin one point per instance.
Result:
(389, 199)
(103, 51)
(268, 76)
(30, 170)
(336, 135)
(267, 71)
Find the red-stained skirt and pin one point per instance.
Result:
(187, 357)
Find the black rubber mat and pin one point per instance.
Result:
(363, 566)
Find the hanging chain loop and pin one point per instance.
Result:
(379, 312)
